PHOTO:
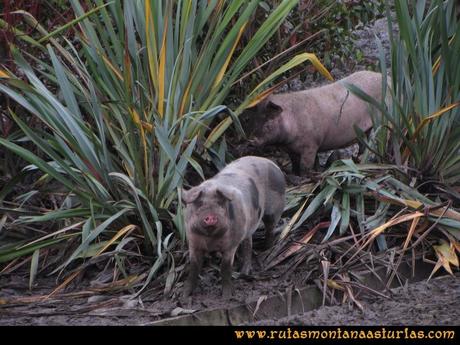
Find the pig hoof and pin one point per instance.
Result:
(245, 270)
(187, 292)
(294, 179)
(268, 243)
(185, 301)
(227, 292)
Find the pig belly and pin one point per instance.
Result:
(341, 140)
(343, 134)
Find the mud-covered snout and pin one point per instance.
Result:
(257, 139)
(249, 147)
(262, 125)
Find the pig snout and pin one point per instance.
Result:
(254, 142)
(211, 225)
(210, 220)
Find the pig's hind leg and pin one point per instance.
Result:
(271, 220)
(274, 204)
(246, 255)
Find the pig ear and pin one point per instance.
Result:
(262, 105)
(273, 109)
(189, 196)
(225, 194)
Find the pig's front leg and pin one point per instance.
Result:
(295, 162)
(307, 160)
(226, 272)
(196, 261)
(334, 156)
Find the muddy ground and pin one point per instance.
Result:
(84, 303)
(436, 302)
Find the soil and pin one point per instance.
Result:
(435, 302)
(82, 303)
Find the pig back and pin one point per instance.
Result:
(259, 185)
(345, 110)
(324, 117)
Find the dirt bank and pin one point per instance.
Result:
(436, 302)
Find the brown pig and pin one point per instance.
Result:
(314, 120)
(223, 212)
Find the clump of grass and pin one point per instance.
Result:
(124, 106)
(403, 195)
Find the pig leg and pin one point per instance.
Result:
(295, 162)
(226, 272)
(317, 165)
(307, 160)
(269, 223)
(334, 156)
(246, 253)
(361, 146)
(196, 261)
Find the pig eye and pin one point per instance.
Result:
(198, 203)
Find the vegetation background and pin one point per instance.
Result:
(109, 108)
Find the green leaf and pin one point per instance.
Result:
(33, 267)
(314, 205)
(336, 215)
(345, 210)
